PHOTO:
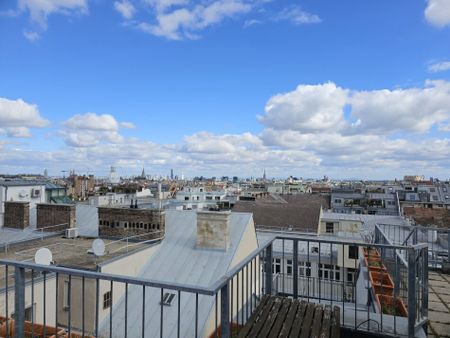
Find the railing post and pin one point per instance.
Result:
(268, 268)
(424, 252)
(411, 291)
(19, 302)
(225, 311)
(295, 268)
(448, 246)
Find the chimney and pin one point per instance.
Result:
(213, 230)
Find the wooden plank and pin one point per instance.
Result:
(254, 317)
(298, 320)
(307, 321)
(326, 322)
(317, 321)
(289, 321)
(336, 323)
(282, 313)
(271, 318)
(256, 327)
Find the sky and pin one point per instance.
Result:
(347, 89)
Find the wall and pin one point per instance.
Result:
(38, 300)
(129, 265)
(49, 215)
(17, 215)
(20, 194)
(124, 222)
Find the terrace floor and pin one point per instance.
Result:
(438, 304)
(284, 317)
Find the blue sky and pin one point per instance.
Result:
(363, 87)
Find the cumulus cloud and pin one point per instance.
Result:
(439, 66)
(309, 131)
(125, 8)
(307, 108)
(17, 116)
(437, 12)
(187, 21)
(314, 108)
(85, 130)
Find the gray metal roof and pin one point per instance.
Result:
(177, 260)
(18, 183)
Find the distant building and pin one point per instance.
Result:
(364, 202)
(81, 186)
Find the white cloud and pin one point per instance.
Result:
(125, 8)
(297, 16)
(90, 129)
(162, 5)
(92, 121)
(407, 110)
(187, 22)
(17, 116)
(307, 108)
(314, 108)
(32, 36)
(437, 12)
(40, 10)
(439, 66)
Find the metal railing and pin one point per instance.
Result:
(67, 301)
(437, 239)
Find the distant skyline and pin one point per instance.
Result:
(226, 87)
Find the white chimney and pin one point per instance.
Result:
(213, 230)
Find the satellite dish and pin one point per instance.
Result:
(43, 256)
(98, 247)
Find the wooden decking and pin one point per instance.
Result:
(285, 317)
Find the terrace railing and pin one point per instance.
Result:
(437, 239)
(60, 299)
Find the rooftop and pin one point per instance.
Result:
(302, 212)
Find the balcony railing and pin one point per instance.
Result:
(437, 239)
(68, 302)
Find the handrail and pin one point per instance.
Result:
(212, 289)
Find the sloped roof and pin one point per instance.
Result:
(302, 212)
(177, 260)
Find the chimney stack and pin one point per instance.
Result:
(213, 230)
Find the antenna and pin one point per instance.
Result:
(43, 256)
(98, 247)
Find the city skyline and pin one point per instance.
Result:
(232, 87)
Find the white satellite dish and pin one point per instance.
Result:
(98, 247)
(43, 256)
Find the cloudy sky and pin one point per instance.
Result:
(348, 89)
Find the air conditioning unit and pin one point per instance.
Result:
(71, 233)
(36, 193)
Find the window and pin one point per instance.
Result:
(353, 252)
(329, 227)
(217, 198)
(276, 265)
(338, 200)
(186, 198)
(289, 267)
(304, 269)
(351, 275)
(314, 249)
(66, 296)
(168, 298)
(107, 300)
(329, 272)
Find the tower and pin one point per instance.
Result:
(264, 175)
(143, 173)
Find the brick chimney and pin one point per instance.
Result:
(213, 230)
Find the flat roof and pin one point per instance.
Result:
(69, 252)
